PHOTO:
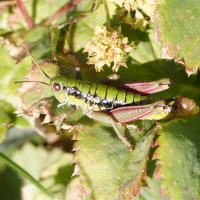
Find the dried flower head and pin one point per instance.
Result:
(140, 7)
(107, 47)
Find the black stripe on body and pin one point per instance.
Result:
(98, 100)
(121, 103)
(141, 100)
(91, 98)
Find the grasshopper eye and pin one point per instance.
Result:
(57, 87)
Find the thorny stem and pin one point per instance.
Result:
(107, 15)
(25, 14)
(61, 11)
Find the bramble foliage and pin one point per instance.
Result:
(165, 161)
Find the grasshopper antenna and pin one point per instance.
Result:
(33, 82)
(38, 65)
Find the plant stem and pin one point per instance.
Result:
(61, 11)
(107, 15)
(25, 14)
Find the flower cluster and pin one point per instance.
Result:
(107, 47)
(140, 7)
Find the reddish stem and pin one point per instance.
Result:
(63, 10)
(25, 14)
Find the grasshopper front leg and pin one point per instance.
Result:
(64, 115)
(59, 124)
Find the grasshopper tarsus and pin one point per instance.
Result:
(139, 129)
(131, 148)
(58, 133)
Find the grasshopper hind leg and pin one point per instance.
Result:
(132, 126)
(108, 119)
(121, 136)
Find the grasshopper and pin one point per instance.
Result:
(119, 105)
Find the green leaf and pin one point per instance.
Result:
(6, 118)
(26, 175)
(10, 21)
(106, 166)
(178, 30)
(49, 169)
(143, 65)
(4, 23)
(103, 159)
(57, 176)
(85, 28)
(39, 41)
(9, 97)
(33, 92)
(179, 158)
(42, 10)
(52, 169)
(152, 190)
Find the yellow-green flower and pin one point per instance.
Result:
(107, 47)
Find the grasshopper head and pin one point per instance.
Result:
(58, 84)
(185, 107)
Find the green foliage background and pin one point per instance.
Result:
(165, 162)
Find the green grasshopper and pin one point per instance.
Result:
(119, 105)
